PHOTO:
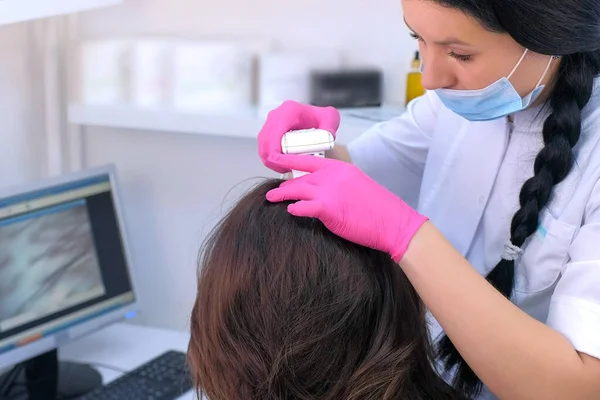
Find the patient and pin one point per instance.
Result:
(287, 310)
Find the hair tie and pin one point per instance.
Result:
(511, 252)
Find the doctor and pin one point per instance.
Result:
(486, 191)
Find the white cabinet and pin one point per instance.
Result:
(12, 11)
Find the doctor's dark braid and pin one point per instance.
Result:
(567, 28)
(562, 128)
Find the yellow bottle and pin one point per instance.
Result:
(414, 88)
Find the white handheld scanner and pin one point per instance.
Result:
(314, 142)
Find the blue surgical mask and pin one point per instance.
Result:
(492, 102)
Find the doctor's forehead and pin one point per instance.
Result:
(444, 25)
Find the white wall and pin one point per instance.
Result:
(21, 142)
(174, 185)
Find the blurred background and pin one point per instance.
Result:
(174, 93)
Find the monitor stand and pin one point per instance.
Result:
(44, 375)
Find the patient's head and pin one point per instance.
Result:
(288, 310)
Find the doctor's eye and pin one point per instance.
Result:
(415, 36)
(460, 57)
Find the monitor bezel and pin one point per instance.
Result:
(80, 330)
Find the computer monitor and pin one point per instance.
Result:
(65, 270)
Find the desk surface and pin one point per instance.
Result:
(123, 347)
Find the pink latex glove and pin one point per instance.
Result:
(348, 202)
(289, 116)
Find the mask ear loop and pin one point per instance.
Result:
(546, 70)
(517, 64)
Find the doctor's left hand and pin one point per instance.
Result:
(348, 202)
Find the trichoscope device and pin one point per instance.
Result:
(313, 142)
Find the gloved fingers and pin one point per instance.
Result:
(300, 162)
(306, 116)
(289, 116)
(307, 179)
(329, 119)
(279, 121)
(274, 167)
(298, 191)
(307, 208)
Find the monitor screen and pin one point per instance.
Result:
(64, 267)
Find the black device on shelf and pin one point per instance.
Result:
(346, 88)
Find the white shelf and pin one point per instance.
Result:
(12, 11)
(244, 124)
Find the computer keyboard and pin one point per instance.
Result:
(165, 377)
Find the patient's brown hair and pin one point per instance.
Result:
(288, 310)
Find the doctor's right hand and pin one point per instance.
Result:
(348, 202)
(289, 116)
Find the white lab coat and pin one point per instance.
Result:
(466, 177)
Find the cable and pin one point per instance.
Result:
(17, 392)
(108, 366)
(9, 379)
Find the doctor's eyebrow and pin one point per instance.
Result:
(450, 41)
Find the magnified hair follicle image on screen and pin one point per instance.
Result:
(46, 266)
